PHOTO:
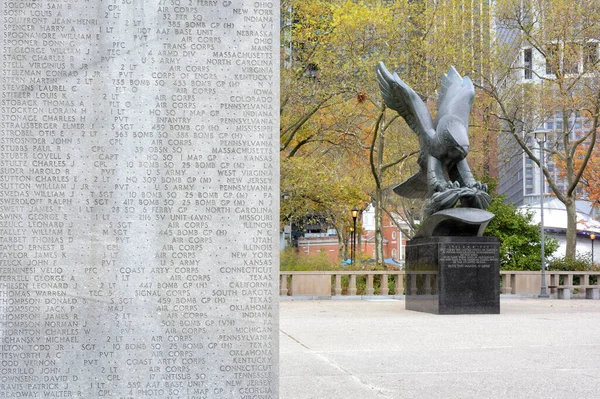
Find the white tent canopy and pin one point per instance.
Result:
(555, 222)
(555, 216)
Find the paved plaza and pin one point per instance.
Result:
(367, 349)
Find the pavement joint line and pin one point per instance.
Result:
(294, 339)
(351, 375)
(338, 367)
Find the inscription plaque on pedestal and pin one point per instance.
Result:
(453, 275)
(139, 199)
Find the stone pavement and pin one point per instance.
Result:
(375, 349)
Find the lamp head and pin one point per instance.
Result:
(540, 135)
(593, 236)
(354, 212)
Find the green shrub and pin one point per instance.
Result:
(582, 262)
(520, 241)
(290, 260)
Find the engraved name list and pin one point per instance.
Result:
(139, 195)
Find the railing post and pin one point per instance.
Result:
(427, 284)
(513, 283)
(554, 280)
(506, 288)
(399, 285)
(337, 289)
(584, 279)
(505, 284)
(568, 279)
(283, 288)
(384, 288)
(352, 285)
(413, 284)
(370, 290)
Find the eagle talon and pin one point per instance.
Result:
(439, 187)
(474, 185)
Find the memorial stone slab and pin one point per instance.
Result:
(453, 275)
(139, 199)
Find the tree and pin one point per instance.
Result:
(545, 77)
(331, 105)
(520, 241)
(380, 166)
(330, 96)
(590, 180)
(321, 190)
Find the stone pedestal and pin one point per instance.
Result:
(453, 275)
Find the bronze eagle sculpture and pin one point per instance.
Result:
(444, 176)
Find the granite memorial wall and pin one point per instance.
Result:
(139, 196)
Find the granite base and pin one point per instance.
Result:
(453, 275)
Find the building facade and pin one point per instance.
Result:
(519, 176)
(394, 241)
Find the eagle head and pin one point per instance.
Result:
(453, 137)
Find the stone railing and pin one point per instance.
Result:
(344, 283)
(384, 283)
(529, 282)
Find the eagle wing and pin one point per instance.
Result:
(401, 98)
(414, 187)
(455, 96)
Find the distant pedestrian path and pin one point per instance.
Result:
(360, 349)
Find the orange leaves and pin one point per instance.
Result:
(590, 181)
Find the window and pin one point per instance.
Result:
(393, 235)
(394, 253)
(571, 58)
(552, 59)
(590, 56)
(528, 63)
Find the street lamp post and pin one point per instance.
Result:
(354, 216)
(541, 139)
(593, 237)
(351, 240)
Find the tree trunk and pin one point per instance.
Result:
(571, 251)
(342, 246)
(379, 255)
(359, 236)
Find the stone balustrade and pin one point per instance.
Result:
(344, 283)
(387, 283)
(514, 282)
